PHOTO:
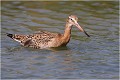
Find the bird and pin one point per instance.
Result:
(44, 39)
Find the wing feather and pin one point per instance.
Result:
(41, 38)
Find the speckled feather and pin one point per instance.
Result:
(41, 39)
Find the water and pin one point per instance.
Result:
(83, 58)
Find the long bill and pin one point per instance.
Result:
(81, 29)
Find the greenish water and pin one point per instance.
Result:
(96, 57)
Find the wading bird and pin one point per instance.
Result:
(45, 39)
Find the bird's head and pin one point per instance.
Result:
(73, 20)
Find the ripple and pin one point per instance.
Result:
(88, 58)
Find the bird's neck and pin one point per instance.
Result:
(67, 32)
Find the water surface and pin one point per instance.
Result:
(83, 58)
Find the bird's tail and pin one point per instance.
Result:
(17, 37)
(10, 35)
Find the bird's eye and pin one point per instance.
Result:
(71, 19)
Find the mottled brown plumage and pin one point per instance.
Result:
(45, 39)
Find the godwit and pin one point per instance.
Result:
(44, 39)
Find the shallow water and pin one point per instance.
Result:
(83, 58)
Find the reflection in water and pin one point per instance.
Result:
(93, 58)
(59, 48)
(64, 62)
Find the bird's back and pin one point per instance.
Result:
(41, 39)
